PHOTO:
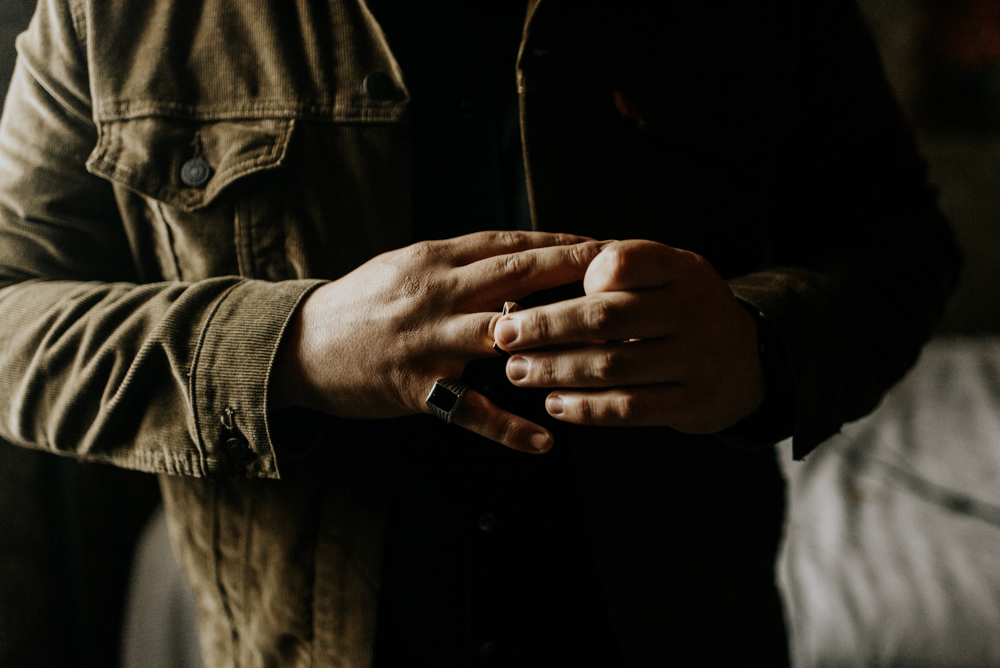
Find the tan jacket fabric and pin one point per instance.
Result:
(138, 315)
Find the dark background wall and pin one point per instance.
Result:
(14, 16)
(943, 59)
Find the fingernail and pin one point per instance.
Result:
(507, 331)
(605, 244)
(517, 368)
(541, 442)
(554, 405)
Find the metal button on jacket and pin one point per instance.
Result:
(379, 86)
(195, 173)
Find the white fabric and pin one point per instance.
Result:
(892, 548)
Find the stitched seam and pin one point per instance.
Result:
(262, 158)
(217, 556)
(77, 13)
(275, 153)
(115, 166)
(247, 571)
(170, 239)
(193, 382)
(281, 149)
(121, 111)
(147, 462)
(244, 252)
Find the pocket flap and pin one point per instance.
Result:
(146, 155)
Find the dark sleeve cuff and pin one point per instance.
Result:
(774, 420)
(296, 431)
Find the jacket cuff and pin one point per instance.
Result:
(230, 376)
(813, 333)
(772, 421)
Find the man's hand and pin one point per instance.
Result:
(371, 344)
(658, 339)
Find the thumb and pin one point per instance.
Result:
(635, 264)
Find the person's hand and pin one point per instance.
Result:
(659, 339)
(372, 344)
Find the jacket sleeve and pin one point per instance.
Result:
(93, 363)
(863, 260)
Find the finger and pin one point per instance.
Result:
(670, 405)
(469, 335)
(481, 416)
(604, 365)
(492, 281)
(480, 245)
(638, 265)
(655, 405)
(608, 316)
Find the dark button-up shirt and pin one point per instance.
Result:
(488, 559)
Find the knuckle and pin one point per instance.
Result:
(517, 265)
(422, 252)
(540, 323)
(580, 255)
(627, 408)
(508, 431)
(508, 238)
(543, 370)
(596, 315)
(519, 237)
(606, 365)
(586, 410)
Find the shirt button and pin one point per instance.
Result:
(195, 173)
(467, 108)
(379, 86)
(239, 450)
(487, 522)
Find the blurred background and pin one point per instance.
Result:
(943, 60)
(67, 531)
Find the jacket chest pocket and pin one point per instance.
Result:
(269, 199)
(179, 189)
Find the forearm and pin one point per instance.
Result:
(141, 376)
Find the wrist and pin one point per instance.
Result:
(288, 385)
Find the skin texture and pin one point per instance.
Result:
(371, 344)
(658, 339)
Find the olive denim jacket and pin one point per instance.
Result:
(140, 314)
